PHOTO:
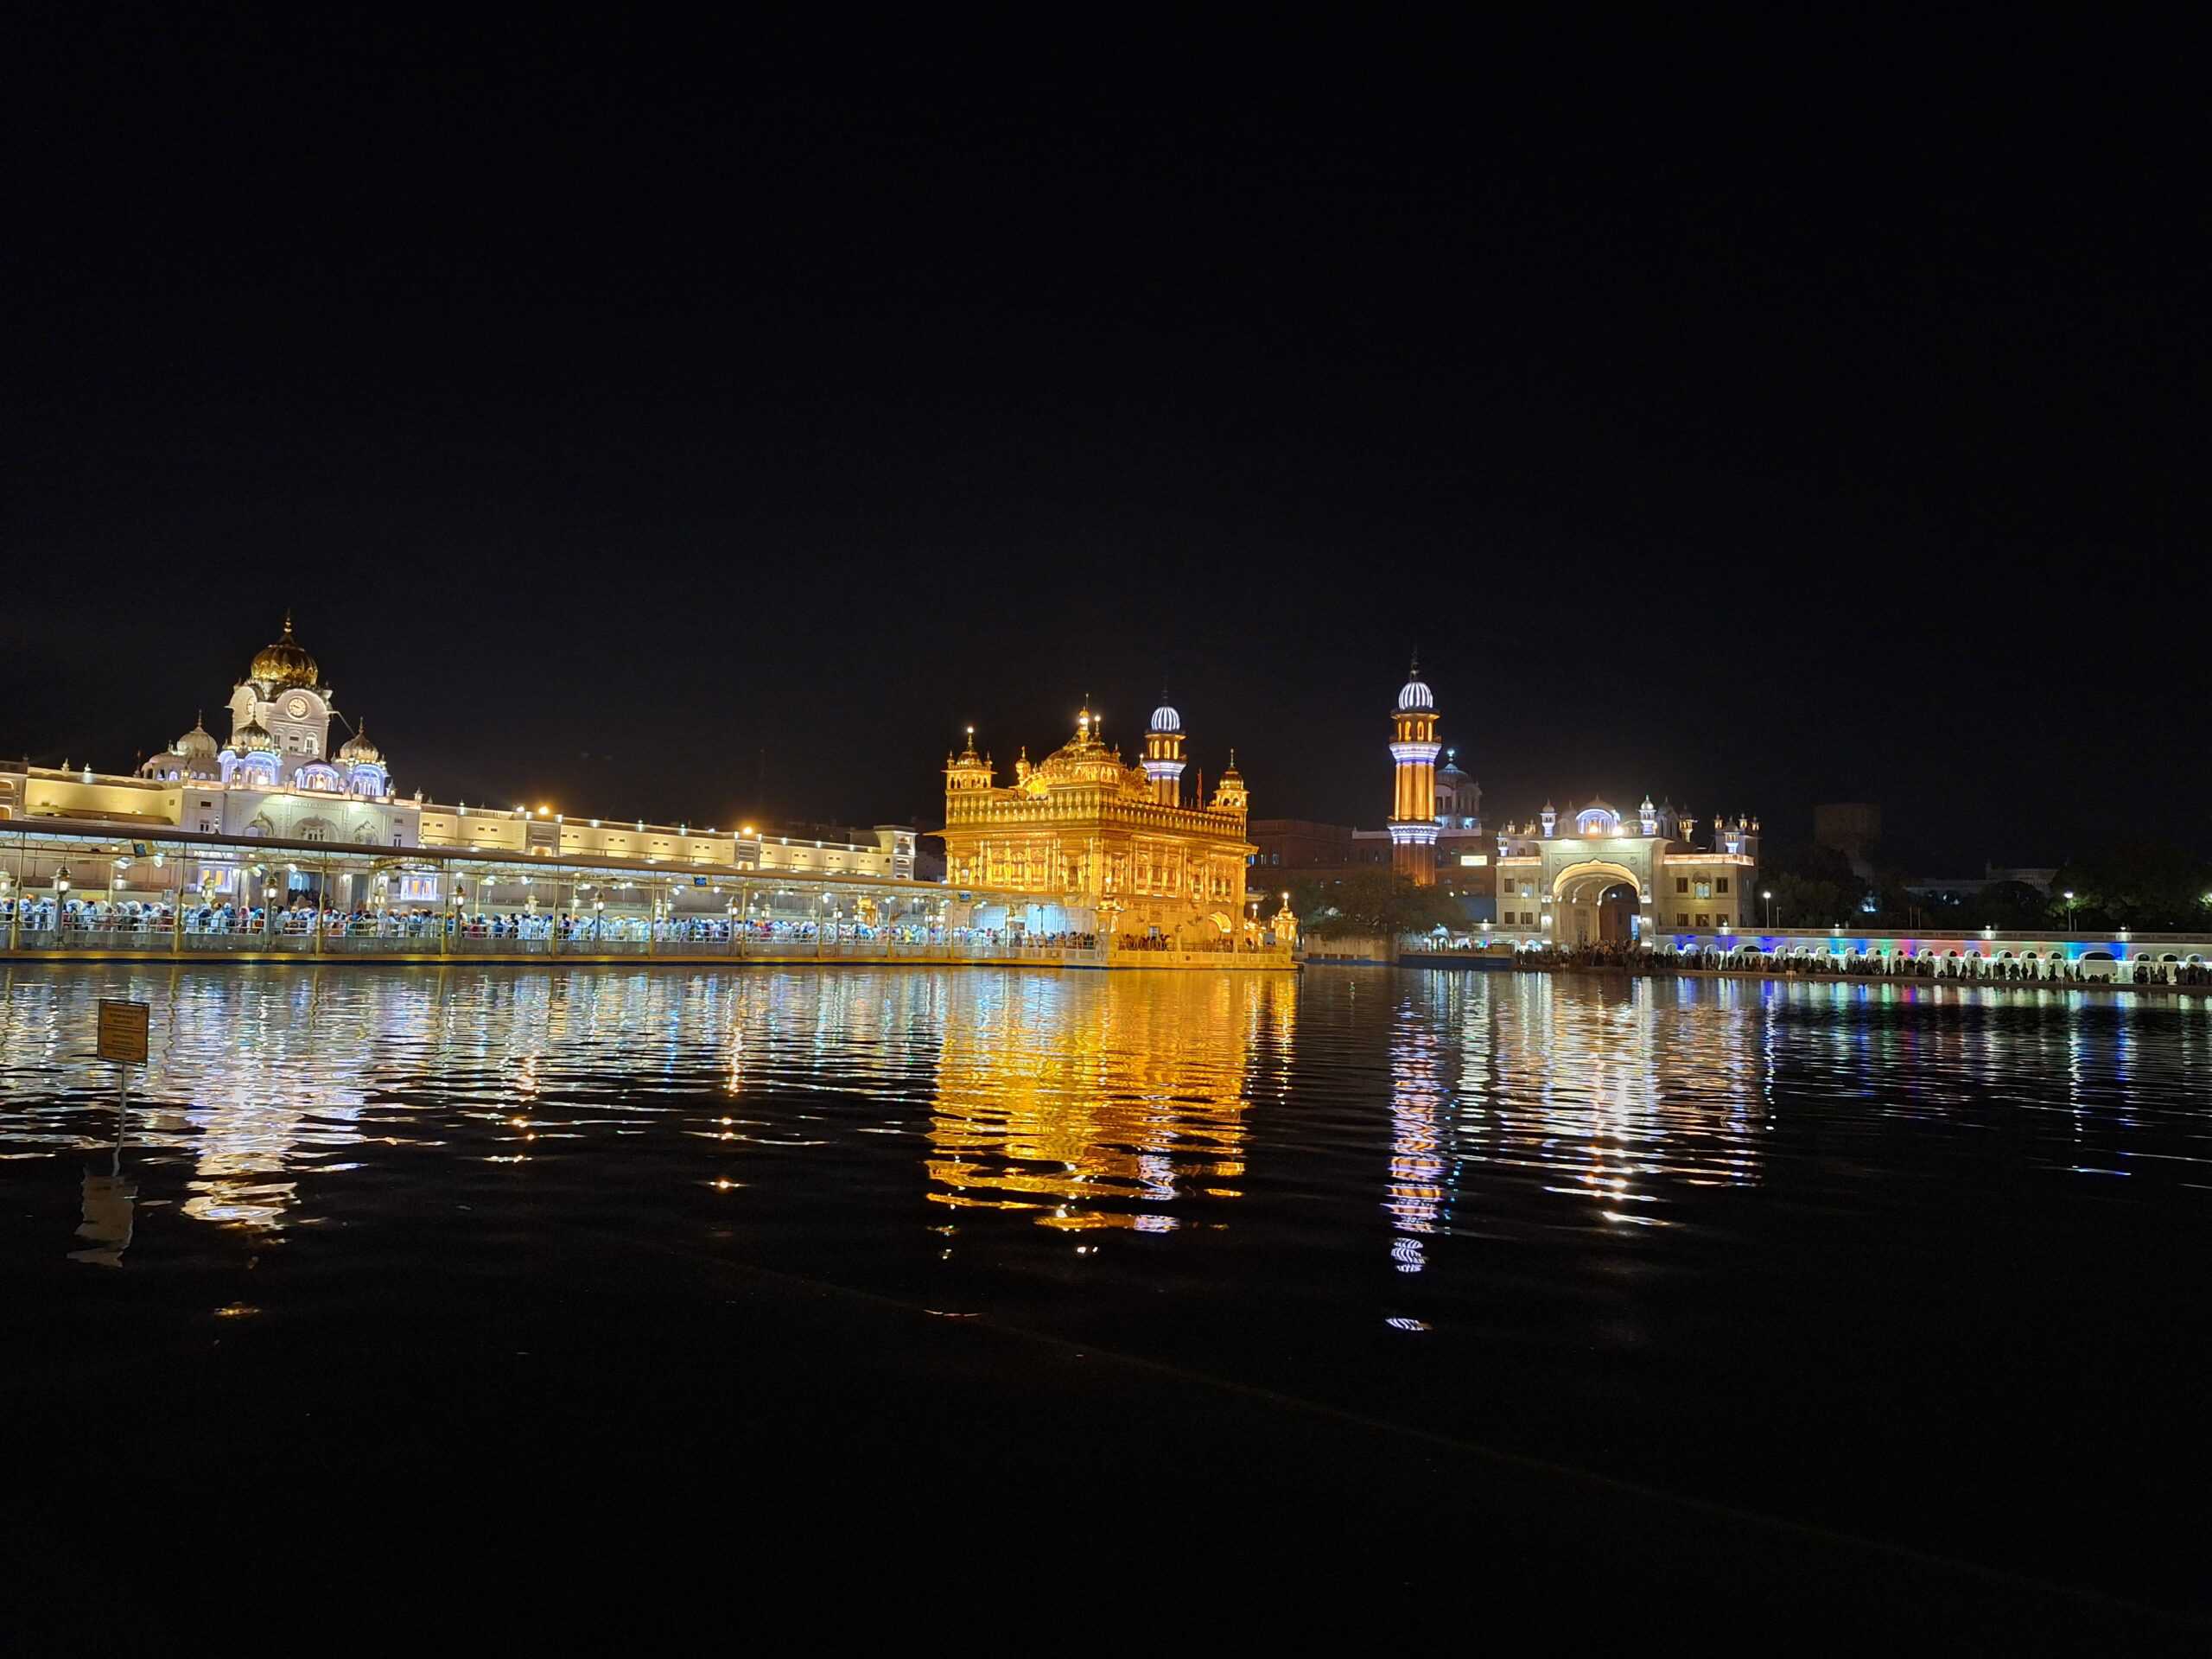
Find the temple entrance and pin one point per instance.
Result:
(1595, 903)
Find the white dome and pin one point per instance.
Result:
(1164, 718)
(198, 743)
(1414, 695)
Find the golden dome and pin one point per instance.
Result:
(285, 663)
(253, 735)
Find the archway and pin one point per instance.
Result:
(1595, 902)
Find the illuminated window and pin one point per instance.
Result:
(1475, 860)
(1705, 889)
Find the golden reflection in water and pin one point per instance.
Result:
(1100, 1101)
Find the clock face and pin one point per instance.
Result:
(297, 708)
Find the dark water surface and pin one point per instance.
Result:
(1915, 1265)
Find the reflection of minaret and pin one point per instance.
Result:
(1163, 753)
(1415, 1193)
(1412, 811)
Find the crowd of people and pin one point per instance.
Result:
(1927, 965)
(1160, 941)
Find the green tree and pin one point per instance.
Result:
(1813, 886)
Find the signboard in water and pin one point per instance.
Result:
(122, 1032)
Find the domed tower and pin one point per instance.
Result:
(1229, 794)
(1458, 797)
(251, 755)
(192, 756)
(362, 763)
(1163, 753)
(967, 770)
(1414, 749)
(284, 693)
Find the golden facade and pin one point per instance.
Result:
(1083, 843)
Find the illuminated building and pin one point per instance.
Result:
(1083, 843)
(276, 777)
(1435, 829)
(1413, 749)
(1602, 878)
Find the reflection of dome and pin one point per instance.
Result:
(251, 737)
(358, 751)
(285, 663)
(198, 744)
(1413, 694)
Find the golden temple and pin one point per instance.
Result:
(1081, 845)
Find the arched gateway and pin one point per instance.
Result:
(1594, 901)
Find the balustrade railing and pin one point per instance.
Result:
(416, 936)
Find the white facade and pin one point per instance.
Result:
(277, 776)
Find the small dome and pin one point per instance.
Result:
(1164, 718)
(251, 737)
(358, 751)
(1451, 767)
(1414, 695)
(285, 663)
(198, 744)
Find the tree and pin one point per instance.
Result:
(1813, 886)
(1374, 902)
(2012, 904)
(2151, 886)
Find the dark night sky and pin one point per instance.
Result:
(612, 405)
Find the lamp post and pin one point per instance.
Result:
(2069, 910)
(1767, 893)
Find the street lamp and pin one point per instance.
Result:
(1767, 893)
(2069, 910)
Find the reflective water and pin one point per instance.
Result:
(1916, 1262)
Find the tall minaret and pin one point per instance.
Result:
(1412, 811)
(1163, 753)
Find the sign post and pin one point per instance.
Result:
(123, 1039)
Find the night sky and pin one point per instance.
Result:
(630, 418)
